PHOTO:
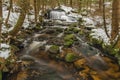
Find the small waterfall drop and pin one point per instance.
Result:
(56, 14)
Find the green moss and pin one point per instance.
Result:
(81, 32)
(76, 30)
(68, 43)
(70, 57)
(69, 40)
(54, 49)
(59, 29)
(38, 27)
(69, 36)
(73, 25)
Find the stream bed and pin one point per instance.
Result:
(39, 62)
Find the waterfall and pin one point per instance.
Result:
(56, 14)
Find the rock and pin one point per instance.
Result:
(70, 57)
(55, 41)
(76, 30)
(69, 36)
(54, 49)
(22, 75)
(69, 40)
(96, 77)
(68, 43)
(80, 63)
(50, 31)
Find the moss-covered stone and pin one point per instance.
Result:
(54, 49)
(59, 29)
(68, 43)
(69, 36)
(81, 32)
(76, 30)
(69, 40)
(70, 57)
(73, 25)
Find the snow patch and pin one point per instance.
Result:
(100, 34)
(5, 51)
(88, 22)
(66, 9)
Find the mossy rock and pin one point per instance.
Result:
(68, 43)
(38, 27)
(69, 36)
(81, 32)
(68, 32)
(54, 49)
(73, 25)
(70, 57)
(76, 30)
(59, 29)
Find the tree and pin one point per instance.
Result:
(104, 21)
(0, 18)
(35, 9)
(11, 3)
(24, 4)
(100, 4)
(71, 3)
(115, 19)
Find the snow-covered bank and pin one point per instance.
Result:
(100, 34)
(13, 20)
(5, 51)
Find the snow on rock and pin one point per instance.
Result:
(5, 51)
(88, 22)
(98, 20)
(100, 34)
(66, 9)
(68, 19)
(75, 15)
(3, 45)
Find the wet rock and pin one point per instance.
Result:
(69, 36)
(22, 75)
(59, 29)
(70, 57)
(51, 31)
(69, 40)
(68, 43)
(80, 63)
(42, 37)
(55, 41)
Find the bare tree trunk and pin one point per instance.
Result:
(104, 21)
(6, 21)
(24, 4)
(115, 19)
(0, 20)
(18, 24)
(100, 4)
(35, 9)
(71, 3)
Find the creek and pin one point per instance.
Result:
(39, 65)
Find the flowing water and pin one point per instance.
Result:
(41, 67)
(38, 65)
(56, 14)
(46, 68)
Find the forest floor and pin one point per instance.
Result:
(60, 52)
